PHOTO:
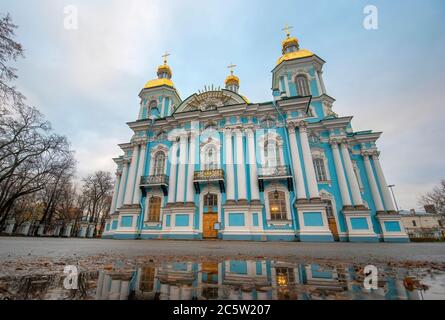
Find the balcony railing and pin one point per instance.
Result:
(275, 173)
(208, 176)
(159, 180)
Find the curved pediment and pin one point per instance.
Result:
(210, 100)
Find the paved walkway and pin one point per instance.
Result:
(26, 248)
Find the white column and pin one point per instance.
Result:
(191, 168)
(240, 166)
(139, 173)
(296, 164)
(230, 179)
(172, 179)
(317, 78)
(340, 175)
(181, 169)
(373, 184)
(254, 191)
(286, 85)
(353, 183)
(131, 177)
(115, 193)
(320, 77)
(308, 163)
(120, 199)
(387, 200)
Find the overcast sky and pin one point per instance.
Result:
(86, 81)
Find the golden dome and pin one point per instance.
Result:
(159, 82)
(165, 68)
(302, 53)
(288, 42)
(232, 80)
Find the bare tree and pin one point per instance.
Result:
(10, 50)
(435, 198)
(97, 188)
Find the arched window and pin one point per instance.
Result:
(271, 155)
(211, 158)
(268, 123)
(277, 205)
(154, 209)
(302, 85)
(159, 163)
(320, 170)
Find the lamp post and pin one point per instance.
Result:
(394, 198)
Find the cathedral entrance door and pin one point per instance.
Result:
(209, 231)
(333, 228)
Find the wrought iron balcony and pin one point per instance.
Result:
(209, 176)
(275, 173)
(159, 180)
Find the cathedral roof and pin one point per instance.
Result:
(299, 54)
(159, 82)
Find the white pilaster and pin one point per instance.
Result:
(181, 167)
(240, 166)
(320, 76)
(120, 199)
(317, 79)
(131, 176)
(296, 163)
(340, 175)
(353, 183)
(308, 163)
(286, 85)
(191, 168)
(387, 200)
(254, 190)
(372, 183)
(172, 178)
(115, 193)
(140, 171)
(230, 188)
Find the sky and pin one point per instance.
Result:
(87, 80)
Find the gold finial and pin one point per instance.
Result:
(231, 66)
(165, 56)
(287, 29)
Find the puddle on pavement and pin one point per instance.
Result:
(230, 280)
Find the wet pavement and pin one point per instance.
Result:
(33, 268)
(229, 280)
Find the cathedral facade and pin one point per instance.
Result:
(217, 166)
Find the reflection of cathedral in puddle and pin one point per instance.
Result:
(249, 280)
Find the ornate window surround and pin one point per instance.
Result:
(318, 153)
(159, 148)
(209, 143)
(278, 140)
(279, 187)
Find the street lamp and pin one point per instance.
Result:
(394, 198)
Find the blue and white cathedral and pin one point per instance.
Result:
(217, 166)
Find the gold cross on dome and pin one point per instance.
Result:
(287, 29)
(231, 67)
(165, 56)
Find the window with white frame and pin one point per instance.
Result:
(271, 154)
(159, 164)
(277, 205)
(329, 209)
(211, 158)
(320, 170)
(302, 85)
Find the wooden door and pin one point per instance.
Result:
(208, 225)
(333, 228)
